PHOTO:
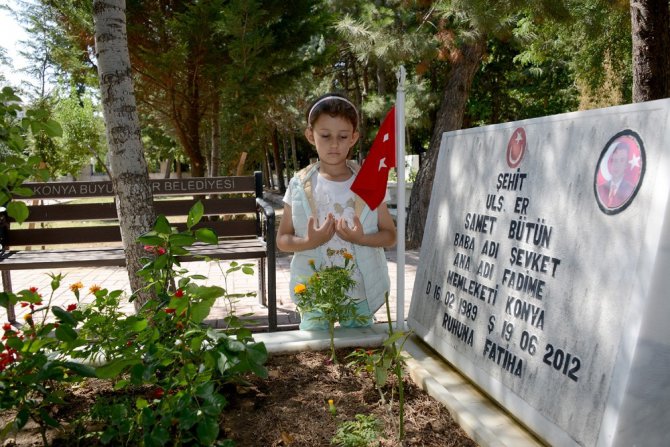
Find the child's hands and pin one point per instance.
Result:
(352, 234)
(320, 235)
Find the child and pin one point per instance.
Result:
(321, 213)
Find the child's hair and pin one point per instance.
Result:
(334, 104)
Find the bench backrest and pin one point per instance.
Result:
(58, 216)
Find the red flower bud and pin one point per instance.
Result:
(71, 307)
(169, 310)
(157, 393)
(179, 293)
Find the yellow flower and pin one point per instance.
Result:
(94, 288)
(76, 286)
(311, 262)
(28, 317)
(300, 288)
(348, 256)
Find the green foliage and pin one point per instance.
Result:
(505, 89)
(361, 432)
(82, 139)
(15, 167)
(34, 363)
(170, 366)
(326, 294)
(379, 364)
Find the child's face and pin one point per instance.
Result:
(333, 137)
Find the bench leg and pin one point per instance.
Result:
(7, 287)
(262, 298)
(272, 292)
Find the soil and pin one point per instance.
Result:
(290, 408)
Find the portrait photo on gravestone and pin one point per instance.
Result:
(543, 274)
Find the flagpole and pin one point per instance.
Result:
(400, 168)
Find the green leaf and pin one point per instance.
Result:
(162, 226)
(161, 262)
(65, 333)
(207, 292)
(53, 129)
(206, 235)
(247, 270)
(141, 403)
(381, 374)
(200, 311)
(150, 239)
(160, 435)
(257, 352)
(18, 211)
(22, 418)
(136, 324)
(114, 368)
(64, 316)
(7, 298)
(81, 369)
(208, 431)
(22, 191)
(181, 239)
(395, 336)
(46, 417)
(195, 214)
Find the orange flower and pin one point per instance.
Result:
(300, 288)
(348, 256)
(311, 262)
(76, 286)
(94, 288)
(33, 289)
(28, 317)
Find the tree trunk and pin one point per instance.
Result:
(294, 155)
(449, 117)
(168, 167)
(650, 21)
(130, 178)
(287, 163)
(215, 164)
(279, 165)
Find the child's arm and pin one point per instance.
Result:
(288, 241)
(385, 237)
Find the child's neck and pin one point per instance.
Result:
(336, 173)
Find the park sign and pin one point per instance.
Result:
(545, 271)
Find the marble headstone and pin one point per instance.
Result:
(544, 272)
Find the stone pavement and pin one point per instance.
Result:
(113, 278)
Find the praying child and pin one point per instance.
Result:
(323, 216)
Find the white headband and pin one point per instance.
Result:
(309, 115)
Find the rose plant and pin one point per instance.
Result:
(168, 368)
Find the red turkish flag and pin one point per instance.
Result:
(370, 183)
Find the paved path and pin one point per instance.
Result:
(113, 278)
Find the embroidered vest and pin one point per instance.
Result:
(371, 261)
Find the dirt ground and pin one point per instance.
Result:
(290, 408)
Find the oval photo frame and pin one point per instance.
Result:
(619, 172)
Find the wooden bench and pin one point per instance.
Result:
(53, 237)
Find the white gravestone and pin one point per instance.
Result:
(545, 271)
